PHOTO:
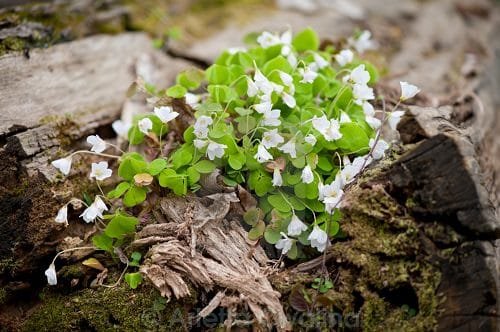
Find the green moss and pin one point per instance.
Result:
(105, 309)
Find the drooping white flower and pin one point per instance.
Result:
(267, 39)
(262, 154)
(373, 122)
(321, 124)
(308, 75)
(165, 113)
(63, 165)
(263, 107)
(289, 147)
(252, 88)
(97, 144)
(349, 172)
(296, 226)
(368, 109)
(329, 129)
(100, 171)
(192, 99)
(311, 139)
(289, 100)
(121, 128)
(145, 125)
(271, 139)
(285, 244)
(307, 175)
(292, 59)
(286, 37)
(215, 149)
(408, 90)
(62, 215)
(359, 75)
(277, 88)
(318, 238)
(271, 118)
(51, 275)
(200, 143)
(344, 57)
(363, 42)
(94, 210)
(393, 118)
(320, 61)
(201, 126)
(362, 93)
(262, 83)
(277, 179)
(379, 149)
(286, 78)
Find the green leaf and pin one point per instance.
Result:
(236, 161)
(246, 123)
(134, 196)
(279, 203)
(135, 136)
(257, 231)
(182, 156)
(156, 166)
(102, 241)
(306, 40)
(354, 138)
(176, 91)
(272, 234)
(217, 74)
(252, 216)
(204, 166)
(131, 166)
(277, 63)
(193, 175)
(133, 279)
(333, 228)
(119, 190)
(177, 182)
(293, 252)
(191, 78)
(120, 226)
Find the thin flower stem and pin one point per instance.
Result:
(115, 146)
(119, 279)
(94, 153)
(286, 200)
(72, 249)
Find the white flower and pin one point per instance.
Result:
(320, 61)
(289, 100)
(408, 90)
(121, 128)
(285, 244)
(277, 179)
(262, 82)
(201, 126)
(329, 129)
(286, 78)
(363, 42)
(321, 124)
(234, 50)
(296, 226)
(94, 210)
(362, 93)
(373, 122)
(267, 39)
(200, 143)
(51, 275)
(292, 60)
(100, 171)
(359, 75)
(98, 144)
(252, 88)
(192, 99)
(263, 107)
(308, 75)
(289, 147)
(165, 113)
(307, 175)
(262, 154)
(63, 165)
(277, 88)
(215, 150)
(379, 149)
(271, 118)
(344, 57)
(286, 37)
(62, 215)
(145, 125)
(393, 118)
(349, 172)
(344, 118)
(271, 139)
(331, 194)
(318, 238)
(368, 109)
(311, 139)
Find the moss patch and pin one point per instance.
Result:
(108, 309)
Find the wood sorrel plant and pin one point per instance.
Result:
(289, 121)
